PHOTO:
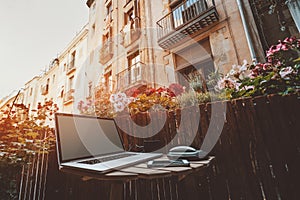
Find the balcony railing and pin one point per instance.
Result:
(131, 32)
(185, 19)
(69, 96)
(71, 67)
(106, 51)
(131, 76)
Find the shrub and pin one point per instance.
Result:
(22, 136)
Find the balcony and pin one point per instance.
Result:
(69, 96)
(132, 76)
(106, 51)
(131, 32)
(185, 19)
(71, 67)
(45, 89)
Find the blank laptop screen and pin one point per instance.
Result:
(82, 137)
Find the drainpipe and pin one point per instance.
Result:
(247, 32)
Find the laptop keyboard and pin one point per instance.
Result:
(109, 158)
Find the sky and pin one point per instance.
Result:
(32, 33)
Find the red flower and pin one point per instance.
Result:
(176, 88)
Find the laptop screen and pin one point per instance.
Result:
(83, 136)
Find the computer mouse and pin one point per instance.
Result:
(186, 152)
(182, 149)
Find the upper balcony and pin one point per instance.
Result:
(71, 67)
(132, 76)
(185, 19)
(131, 32)
(106, 51)
(69, 96)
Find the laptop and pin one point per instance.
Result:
(93, 144)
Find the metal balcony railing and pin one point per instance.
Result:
(185, 19)
(71, 66)
(69, 96)
(106, 51)
(131, 32)
(128, 77)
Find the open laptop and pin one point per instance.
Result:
(93, 144)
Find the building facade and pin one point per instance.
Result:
(131, 43)
(156, 43)
(58, 81)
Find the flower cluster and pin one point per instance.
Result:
(156, 99)
(120, 101)
(100, 106)
(233, 78)
(284, 51)
(280, 74)
(86, 108)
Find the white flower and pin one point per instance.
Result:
(226, 82)
(239, 71)
(112, 98)
(284, 72)
(119, 101)
(119, 106)
(121, 96)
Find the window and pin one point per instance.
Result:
(130, 30)
(134, 69)
(127, 1)
(106, 37)
(47, 86)
(53, 78)
(108, 80)
(194, 64)
(72, 63)
(109, 10)
(294, 7)
(94, 6)
(93, 28)
(30, 91)
(71, 80)
(129, 17)
(90, 87)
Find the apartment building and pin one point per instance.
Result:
(158, 42)
(140, 42)
(122, 40)
(58, 81)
